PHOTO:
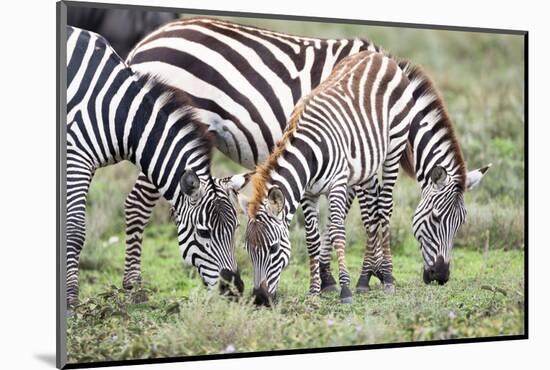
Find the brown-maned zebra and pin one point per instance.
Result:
(355, 124)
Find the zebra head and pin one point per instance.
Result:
(268, 245)
(207, 218)
(439, 215)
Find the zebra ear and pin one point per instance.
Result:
(438, 175)
(190, 183)
(238, 182)
(474, 177)
(275, 200)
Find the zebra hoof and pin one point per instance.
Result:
(363, 283)
(362, 289)
(389, 288)
(346, 295)
(328, 284)
(348, 300)
(329, 289)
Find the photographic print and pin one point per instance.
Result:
(248, 185)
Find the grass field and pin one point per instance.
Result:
(483, 298)
(481, 79)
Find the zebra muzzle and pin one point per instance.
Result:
(439, 272)
(262, 296)
(231, 283)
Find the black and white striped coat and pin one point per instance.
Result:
(358, 123)
(244, 82)
(353, 125)
(114, 115)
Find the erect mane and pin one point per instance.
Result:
(262, 174)
(426, 87)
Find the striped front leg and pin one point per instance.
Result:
(373, 257)
(328, 284)
(310, 206)
(390, 170)
(79, 175)
(138, 206)
(379, 204)
(337, 210)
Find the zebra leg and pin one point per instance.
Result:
(337, 230)
(387, 262)
(80, 172)
(138, 206)
(328, 284)
(385, 209)
(368, 201)
(310, 206)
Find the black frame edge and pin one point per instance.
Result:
(301, 351)
(526, 182)
(291, 17)
(61, 117)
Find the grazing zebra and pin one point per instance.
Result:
(433, 156)
(113, 116)
(355, 124)
(244, 82)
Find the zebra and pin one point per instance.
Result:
(355, 124)
(351, 126)
(434, 158)
(244, 82)
(114, 115)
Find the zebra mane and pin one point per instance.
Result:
(262, 174)
(426, 87)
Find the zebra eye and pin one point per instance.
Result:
(436, 217)
(273, 248)
(203, 233)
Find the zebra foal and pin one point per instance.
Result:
(113, 116)
(351, 126)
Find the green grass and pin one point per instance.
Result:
(483, 298)
(481, 79)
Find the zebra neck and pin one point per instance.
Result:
(433, 144)
(161, 138)
(292, 195)
(292, 174)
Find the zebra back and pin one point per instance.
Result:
(243, 80)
